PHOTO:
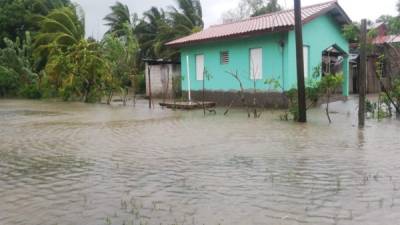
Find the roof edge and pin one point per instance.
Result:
(335, 5)
(231, 37)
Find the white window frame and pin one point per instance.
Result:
(306, 60)
(200, 67)
(256, 73)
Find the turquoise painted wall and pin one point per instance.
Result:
(319, 34)
(239, 60)
(278, 63)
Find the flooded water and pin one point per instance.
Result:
(72, 163)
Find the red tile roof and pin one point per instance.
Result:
(272, 22)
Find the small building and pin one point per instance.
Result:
(263, 48)
(384, 44)
(160, 75)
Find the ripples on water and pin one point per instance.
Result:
(70, 163)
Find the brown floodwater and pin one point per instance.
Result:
(72, 163)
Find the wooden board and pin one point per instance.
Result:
(187, 105)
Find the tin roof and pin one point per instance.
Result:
(272, 22)
(386, 39)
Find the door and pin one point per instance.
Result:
(199, 67)
(256, 63)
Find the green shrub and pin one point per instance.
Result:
(8, 81)
(140, 84)
(30, 91)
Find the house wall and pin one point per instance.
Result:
(161, 79)
(278, 63)
(239, 60)
(319, 34)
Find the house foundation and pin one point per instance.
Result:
(225, 98)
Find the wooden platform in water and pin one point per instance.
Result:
(187, 105)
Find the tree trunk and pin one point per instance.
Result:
(328, 96)
(87, 91)
(126, 92)
(134, 91)
(241, 92)
(109, 98)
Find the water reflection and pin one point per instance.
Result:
(71, 163)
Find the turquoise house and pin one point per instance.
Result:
(262, 48)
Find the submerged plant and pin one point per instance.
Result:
(317, 87)
(327, 86)
(206, 76)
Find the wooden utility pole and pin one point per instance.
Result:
(362, 82)
(301, 89)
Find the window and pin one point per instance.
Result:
(224, 57)
(199, 67)
(306, 50)
(256, 63)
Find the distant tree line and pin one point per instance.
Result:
(251, 8)
(44, 52)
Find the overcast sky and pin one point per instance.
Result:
(95, 10)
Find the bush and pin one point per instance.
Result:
(30, 91)
(8, 81)
(140, 84)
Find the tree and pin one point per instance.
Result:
(272, 6)
(121, 53)
(148, 29)
(80, 71)
(351, 32)
(13, 18)
(392, 23)
(44, 7)
(327, 86)
(188, 17)
(16, 66)
(157, 27)
(251, 8)
(59, 30)
(16, 16)
(119, 18)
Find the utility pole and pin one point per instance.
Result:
(362, 82)
(301, 89)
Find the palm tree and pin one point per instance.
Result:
(60, 29)
(118, 18)
(44, 7)
(185, 20)
(188, 18)
(158, 27)
(148, 31)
